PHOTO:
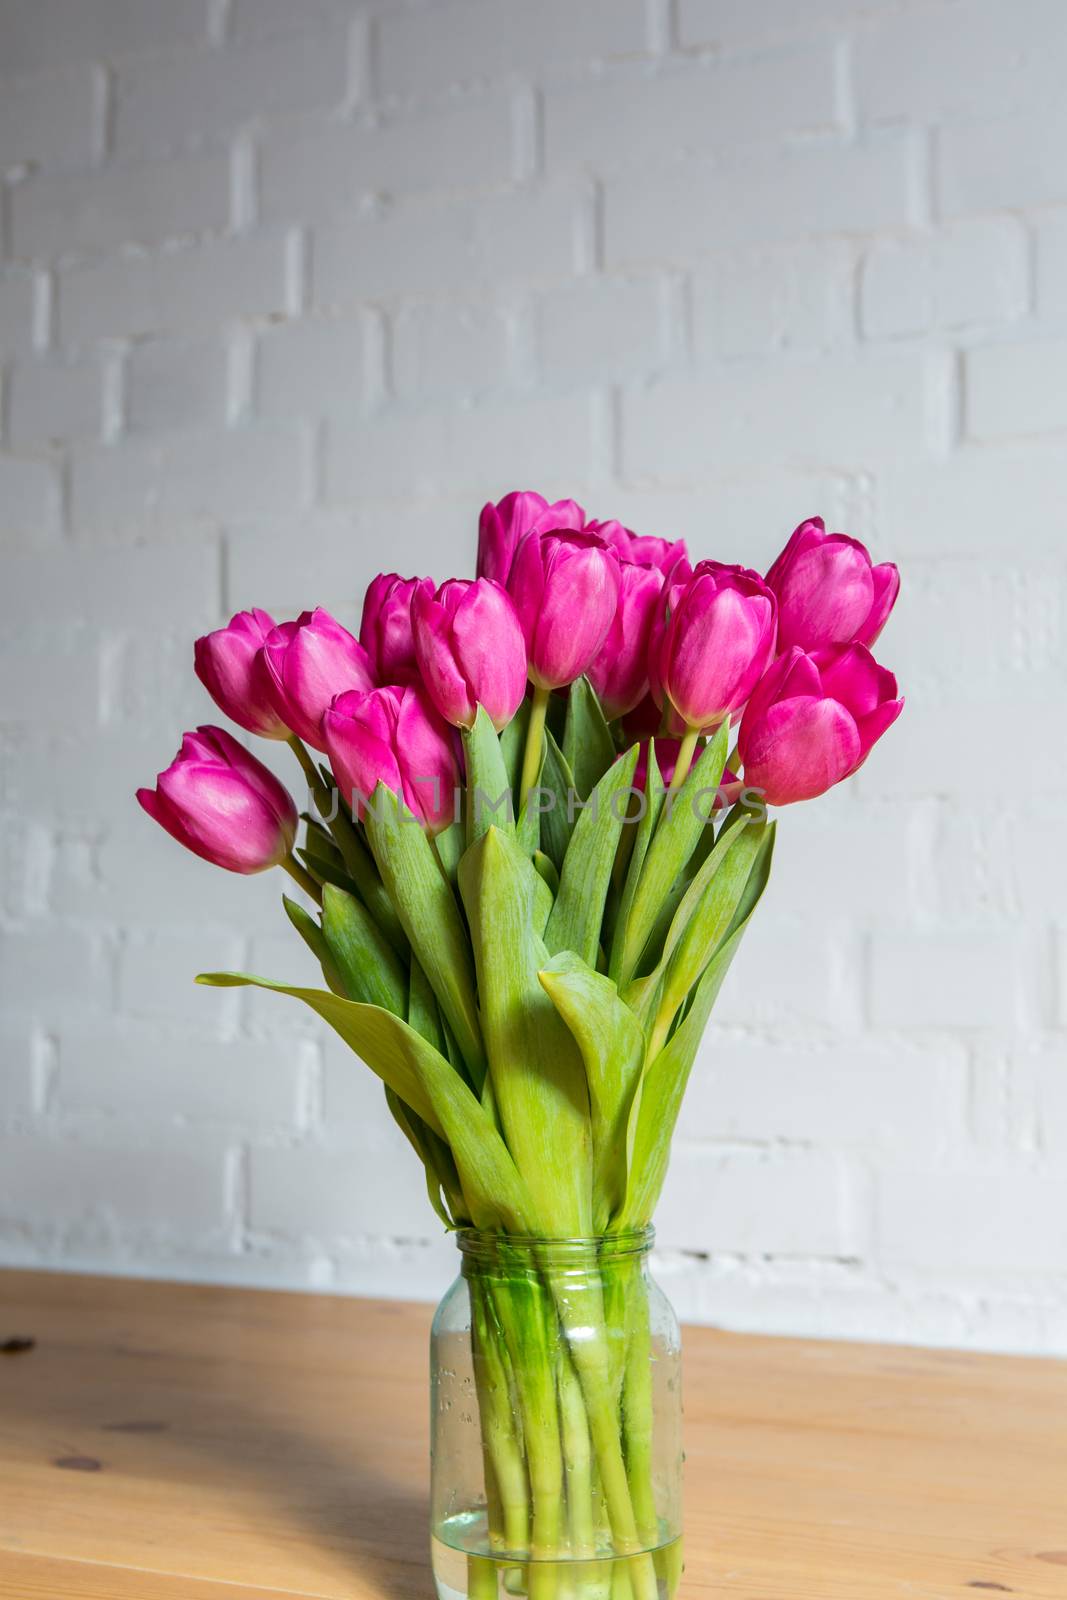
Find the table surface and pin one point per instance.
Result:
(176, 1442)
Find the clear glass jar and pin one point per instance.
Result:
(556, 1423)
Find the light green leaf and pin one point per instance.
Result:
(369, 967)
(313, 937)
(588, 747)
(419, 1074)
(442, 1179)
(557, 821)
(431, 919)
(677, 834)
(423, 1014)
(583, 886)
(490, 800)
(646, 827)
(537, 1073)
(613, 1050)
(513, 743)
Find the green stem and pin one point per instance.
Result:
(535, 741)
(301, 876)
(357, 858)
(686, 751)
(637, 1412)
(577, 1461)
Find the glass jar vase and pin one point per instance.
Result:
(556, 1423)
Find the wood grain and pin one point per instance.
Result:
(172, 1442)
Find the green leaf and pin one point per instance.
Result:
(707, 910)
(677, 834)
(369, 967)
(646, 827)
(613, 1050)
(545, 868)
(490, 798)
(449, 845)
(537, 1073)
(495, 1194)
(431, 919)
(325, 871)
(583, 885)
(513, 743)
(588, 747)
(557, 820)
(442, 1179)
(423, 1014)
(313, 937)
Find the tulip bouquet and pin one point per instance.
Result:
(529, 855)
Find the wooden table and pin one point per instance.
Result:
(166, 1442)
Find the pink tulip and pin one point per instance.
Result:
(309, 662)
(619, 674)
(470, 650)
(223, 804)
(643, 549)
(502, 527)
(394, 736)
(229, 663)
(385, 629)
(566, 589)
(711, 644)
(813, 720)
(828, 591)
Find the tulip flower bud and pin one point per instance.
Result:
(229, 663)
(309, 661)
(619, 674)
(470, 650)
(502, 527)
(828, 591)
(223, 804)
(385, 628)
(643, 549)
(813, 719)
(566, 590)
(711, 645)
(394, 736)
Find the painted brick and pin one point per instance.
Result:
(435, 249)
(447, 450)
(109, 1188)
(1005, 1222)
(869, 410)
(183, 477)
(966, 272)
(752, 1203)
(908, 65)
(450, 349)
(183, 292)
(161, 1075)
(16, 314)
(727, 23)
(786, 297)
(1007, 163)
(422, 54)
(310, 368)
(51, 401)
(52, 120)
(1015, 389)
(330, 171)
(962, 979)
(176, 383)
(44, 33)
(30, 499)
(330, 1194)
(692, 209)
(180, 99)
(640, 120)
(53, 214)
(577, 329)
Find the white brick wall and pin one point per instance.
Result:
(286, 290)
